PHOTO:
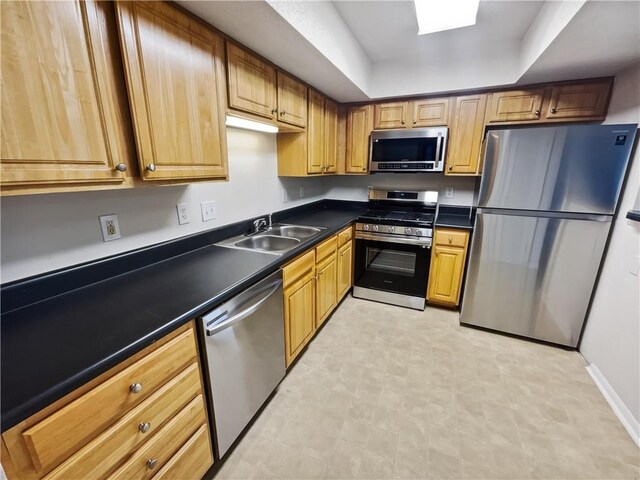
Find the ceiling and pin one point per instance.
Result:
(360, 50)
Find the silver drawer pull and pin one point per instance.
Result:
(135, 388)
(151, 463)
(144, 427)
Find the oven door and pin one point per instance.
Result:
(391, 267)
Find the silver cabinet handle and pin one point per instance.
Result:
(144, 427)
(151, 167)
(282, 113)
(135, 388)
(151, 463)
(121, 167)
(537, 113)
(553, 110)
(274, 111)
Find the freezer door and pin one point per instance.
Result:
(533, 275)
(577, 168)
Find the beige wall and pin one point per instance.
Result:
(611, 339)
(40, 233)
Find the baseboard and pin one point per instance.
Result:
(629, 422)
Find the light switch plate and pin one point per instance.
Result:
(449, 192)
(183, 213)
(110, 227)
(208, 210)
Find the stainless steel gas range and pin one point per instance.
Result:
(393, 247)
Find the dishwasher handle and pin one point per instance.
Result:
(224, 321)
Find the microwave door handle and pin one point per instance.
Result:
(438, 150)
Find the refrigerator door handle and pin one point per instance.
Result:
(544, 214)
(489, 162)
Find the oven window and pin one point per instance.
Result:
(385, 260)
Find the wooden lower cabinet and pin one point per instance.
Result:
(447, 266)
(127, 423)
(313, 284)
(345, 269)
(326, 288)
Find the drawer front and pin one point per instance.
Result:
(326, 248)
(150, 458)
(58, 436)
(452, 238)
(192, 460)
(110, 448)
(299, 268)
(345, 236)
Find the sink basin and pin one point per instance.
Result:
(294, 231)
(268, 243)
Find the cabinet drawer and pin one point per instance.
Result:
(192, 460)
(111, 447)
(453, 238)
(345, 236)
(59, 435)
(326, 248)
(156, 452)
(299, 268)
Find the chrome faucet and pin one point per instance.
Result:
(259, 224)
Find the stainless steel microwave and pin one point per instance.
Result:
(408, 150)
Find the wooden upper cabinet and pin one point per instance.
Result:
(431, 112)
(515, 105)
(63, 114)
(315, 133)
(390, 115)
(465, 135)
(176, 91)
(292, 101)
(359, 126)
(581, 101)
(330, 136)
(252, 83)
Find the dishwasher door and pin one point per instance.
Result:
(244, 349)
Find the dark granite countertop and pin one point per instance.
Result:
(53, 346)
(454, 217)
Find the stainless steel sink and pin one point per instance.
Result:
(294, 231)
(276, 240)
(268, 243)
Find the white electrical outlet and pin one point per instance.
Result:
(449, 191)
(208, 210)
(301, 192)
(110, 227)
(183, 213)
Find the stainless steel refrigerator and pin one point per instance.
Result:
(545, 206)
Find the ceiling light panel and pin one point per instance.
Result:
(438, 15)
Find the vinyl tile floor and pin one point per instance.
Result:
(385, 392)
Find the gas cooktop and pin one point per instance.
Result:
(397, 217)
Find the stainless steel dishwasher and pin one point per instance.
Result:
(244, 349)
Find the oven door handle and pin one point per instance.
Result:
(381, 237)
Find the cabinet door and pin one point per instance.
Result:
(515, 106)
(465, 135)
(579, 101)
(390, 115)
(176, 91)
(326, 289)
(345, 269)
(252, 83)
(330, 136)
(292, 101)
(445, 277)
(299, 315)
(315, 133)
(359, 126)
(431, 112)
(61, 122)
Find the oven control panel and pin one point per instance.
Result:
(395, 230)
